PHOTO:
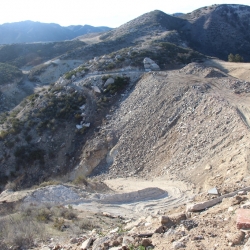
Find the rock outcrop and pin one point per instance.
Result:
(150, 65)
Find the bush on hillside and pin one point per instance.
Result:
(8, 73)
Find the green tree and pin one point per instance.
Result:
(231, 57)
(236, 58)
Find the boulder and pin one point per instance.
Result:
(100, 242)
(150, 65)
(86, 244)
(246, 205)
(109, 81)
(178, 217)
(208, 167)
(213, 191)
(79, 126)
(96, 89)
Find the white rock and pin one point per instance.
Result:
(202, 205)
(208, 167)
(213, 191)
(96, 89)
(114, 230)
(79, 126)
(109, 81)
(149, 65)
(86, 243)
(82, 107)
(177, 245)
(87, 125)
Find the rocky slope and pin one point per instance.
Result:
(219, 30)
(197, 105)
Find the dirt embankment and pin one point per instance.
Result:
(182, 124)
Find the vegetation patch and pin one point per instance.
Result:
(235, 58)
(9, 73)
(28, 154)
(69, 74)
(119, 84)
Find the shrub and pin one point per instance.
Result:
(43, 215)
(59, 224)
(11, 186)
(120, 83)
(29, 154)
(19, 232)
(81, 179)
(49, 183)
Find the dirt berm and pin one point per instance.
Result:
(189, 124)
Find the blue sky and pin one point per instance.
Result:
(110, 13)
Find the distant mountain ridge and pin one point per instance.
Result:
(29, 32)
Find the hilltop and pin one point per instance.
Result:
(32, 32)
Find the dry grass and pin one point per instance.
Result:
(20, 232)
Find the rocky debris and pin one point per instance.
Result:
(235, 239)
(164, 219)
(237, 199)
(206, 204)
(150, 65)
(246, 205)
(178, 217)
(208, 167)
(52, 194)
(203, 71)
(178, 245)
(101, 243)
(189, 224)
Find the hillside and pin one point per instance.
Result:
(219, 26)
(30, 32)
